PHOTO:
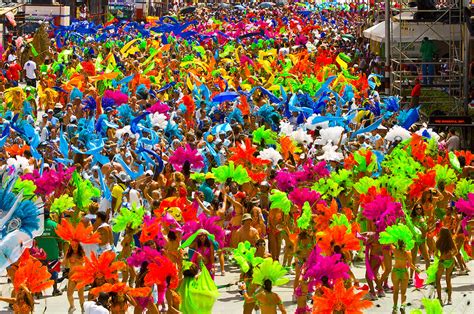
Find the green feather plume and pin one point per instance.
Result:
(132, 218)
(268, 136)
(464, 187)
(304, 220)
(237, 174)
(397, 186)
(362, 186)
(27, 187)
(244, 256)
(280, 200)
(396, 233)
(343, 178)
(62, 203)
(84, 191)
(445, 174)
(341, 220)
(271, 270)
(198, 177)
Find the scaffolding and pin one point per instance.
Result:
(443, 77)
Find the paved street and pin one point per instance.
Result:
(231, 302)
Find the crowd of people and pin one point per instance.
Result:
(140, 161)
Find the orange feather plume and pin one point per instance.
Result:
(158, 273)
(323, 218)
(122, 288)
(338, 236)
(79, 233)
(340, 300)
(287, 147)
(33, 275)
(103, 266)
(16, 150)
(243, 154)
(424, 182)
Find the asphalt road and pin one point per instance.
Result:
(230, 301)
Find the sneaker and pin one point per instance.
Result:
(387, 288)
(380, 293)
(371, 296)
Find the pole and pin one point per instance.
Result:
(387, 47)
(466, 73)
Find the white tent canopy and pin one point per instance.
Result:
(412, 32)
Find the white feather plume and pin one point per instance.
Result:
(270, 154)
(397, 131)
(120, 132)
(430, 132)
(301, 136)
(332, 134)
(20, 164)
(330, 153)
(310, 126)
(159, 120)
(285, 128)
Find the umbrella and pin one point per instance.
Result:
(239, 7)
(187, 10)
(266, 5)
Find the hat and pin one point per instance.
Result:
(58, 106)
(44, 115)
(246, 216)
(209, 175)
(122, 176)
(149, 172)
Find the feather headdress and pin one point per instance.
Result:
(62, 203)
(79, 233)
(144, 254)
(340, 300)
(383, 211)
(238, 174)
(338, 236)
(50, 181)
(33, 275)
(97, 267)
(304, 221)
(301, 195)
(272, 270)
(243, 154)
(244, 256)
(329, 267)
(181, 155)
(270, 154)
(396, 233)
(160, 270)
(466, 206)
(423, 182)
(132, 218)
(151, 229)
(268, 136)
(122, 288)
(84, 191)
(280, 200)
(463, 188)
(206, 223)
